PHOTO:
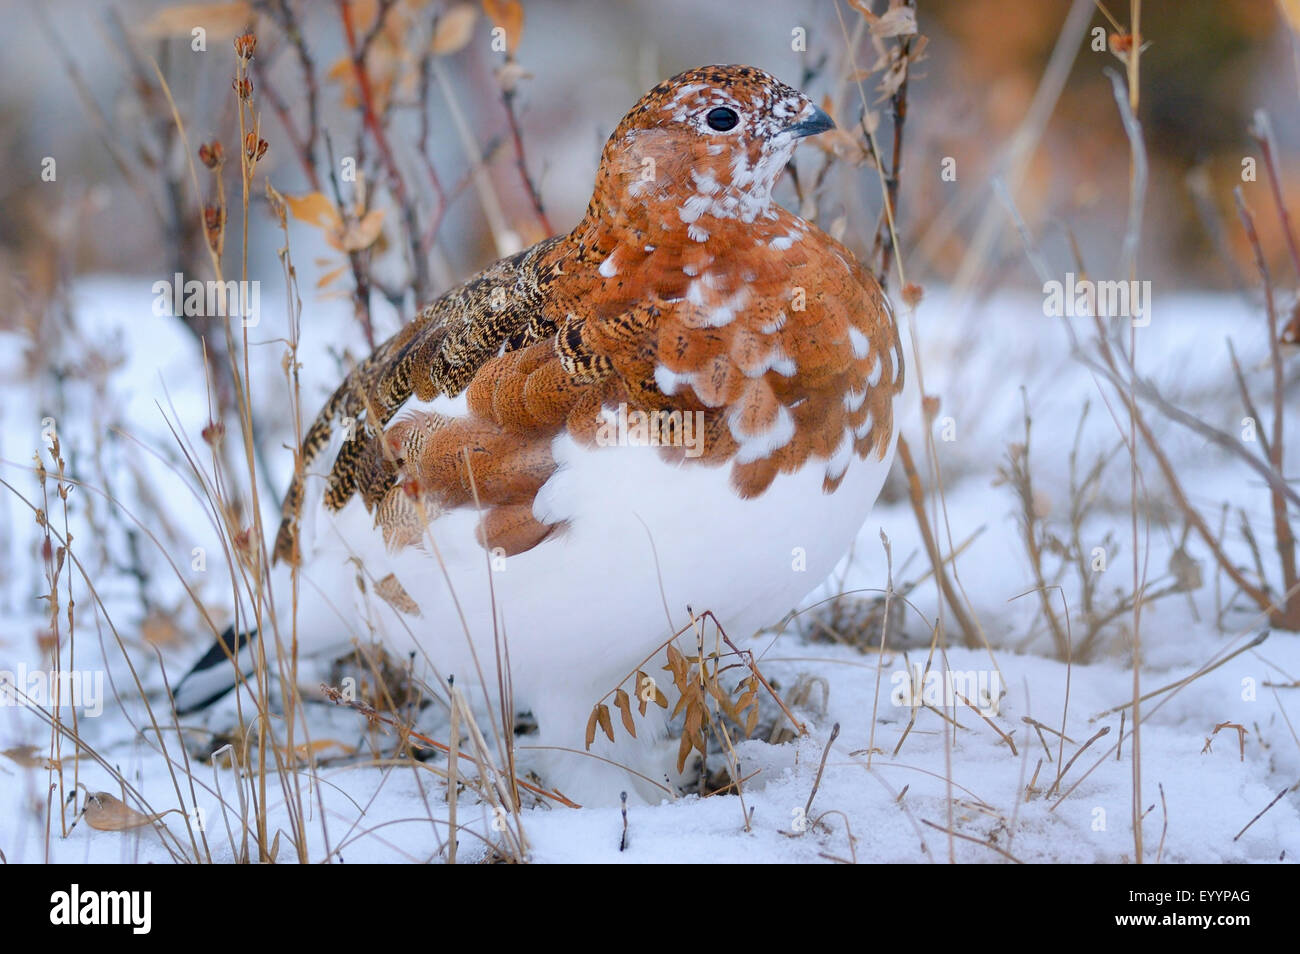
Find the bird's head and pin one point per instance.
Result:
(707, 144)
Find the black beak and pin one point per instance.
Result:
(818, 122)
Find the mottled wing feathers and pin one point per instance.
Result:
(437, 353)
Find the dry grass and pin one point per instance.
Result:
(270, 801)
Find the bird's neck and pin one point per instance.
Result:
(712, 215)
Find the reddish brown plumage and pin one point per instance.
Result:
(683, 289)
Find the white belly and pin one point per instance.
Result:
(583, 609)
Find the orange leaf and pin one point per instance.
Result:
(339, 70)
(314, 209)
(676, 665)
(602, 715)
(694, 719)
(641, 686)
(316, 746)
(364, 234)
(716, 690)
(591, 727)
(683, 750)
(330, 276)
(105, 812)
(682, 700)
(364, 13)
(509, 15)
(218, 19)
(624, 705)
(454, 30)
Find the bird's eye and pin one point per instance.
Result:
(722, 119)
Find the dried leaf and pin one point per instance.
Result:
(220, 20)
(642, 702)
(683, 750)
(105, 812)
(719, 693)
(159, 629)
(678, 666)
(363, 234)
(364, 13)
(509, 15)
(316, 746)
(591, 727)
(602, 716)
(624, 705)
(751, 722)
(1186, 570)
(897, 21)
(340, 70)
(29, 756)
(330, 276)
(683, 700)
(276, 201)
(694, 719)
(454, 30)
(316, 210)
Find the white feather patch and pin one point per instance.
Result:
(669, 381)
(874, 377)
(758, 446)
(839, 459)
(861, 345)
(863, 429)
(775, 360)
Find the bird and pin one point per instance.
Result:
(688, 400)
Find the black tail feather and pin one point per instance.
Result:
(214, 676)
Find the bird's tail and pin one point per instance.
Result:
(215, 674)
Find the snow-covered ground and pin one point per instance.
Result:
(125, 372)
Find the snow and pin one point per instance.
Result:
(1199, 799)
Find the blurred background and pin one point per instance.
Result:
(80, 77)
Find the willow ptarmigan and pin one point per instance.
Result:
(690, 399)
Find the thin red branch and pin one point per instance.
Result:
(508, 99)
(357, 52)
